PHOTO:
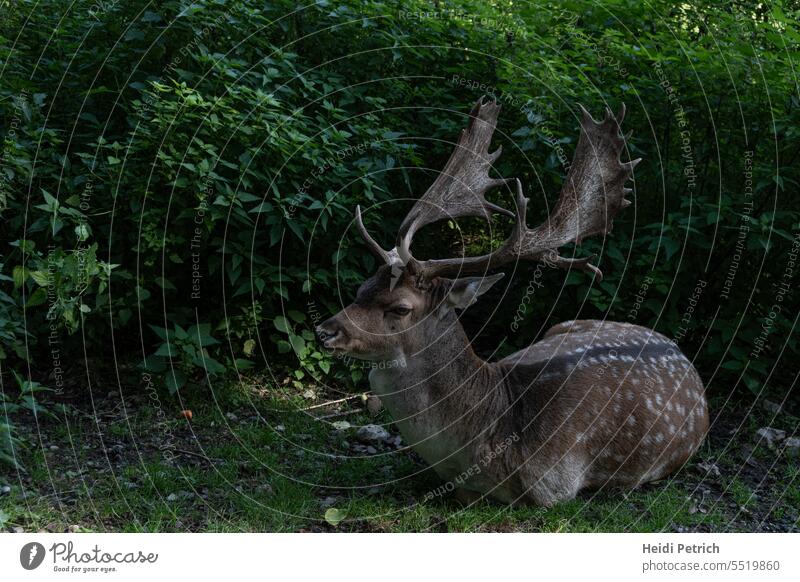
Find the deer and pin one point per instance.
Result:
(593, 405)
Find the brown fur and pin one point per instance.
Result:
(593, 404)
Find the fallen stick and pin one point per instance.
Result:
(323, 404)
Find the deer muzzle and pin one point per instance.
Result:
(331, 333)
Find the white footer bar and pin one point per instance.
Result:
(389, 557)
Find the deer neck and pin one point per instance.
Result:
(441, 394)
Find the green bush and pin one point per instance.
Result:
(179, 179)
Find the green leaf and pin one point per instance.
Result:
(298, 345)
(82, 232)
(335, 516)
(244, 364)
(296, 315)
(281, 324)
(37, 297)
(52, 203)
(42, 278)
(175, 380)
(19, 274)
(209, 365)
(154, 364)
(181, 333)
(162, 332)
(165, 350)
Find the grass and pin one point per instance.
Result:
(273, 468)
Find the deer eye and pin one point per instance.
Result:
(399, 310)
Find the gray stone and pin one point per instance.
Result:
(791, 446)
(709, 468)
(372, 434)
(771, 407)
(771, 436)
(395, 441)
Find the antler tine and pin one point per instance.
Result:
(508, 252)
(376, 249)
(460, 188)
(592, 195)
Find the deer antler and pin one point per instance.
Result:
(592, 195)
(461, 187)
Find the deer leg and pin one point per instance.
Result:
(560, 482)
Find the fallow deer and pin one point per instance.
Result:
(594, 404)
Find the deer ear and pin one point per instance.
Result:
(465, 291)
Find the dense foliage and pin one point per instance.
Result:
(178, 179)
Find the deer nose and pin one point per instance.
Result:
(329, 331)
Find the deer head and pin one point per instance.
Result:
(408, 304)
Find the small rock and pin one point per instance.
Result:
(771, 407)
(327, 502)
(395, 441)
(372, 434)
(746, 452)
(791, 446)
(280, 428)
(172, 497)
(372, 450)
(74, 528)
(772, 436)
(53, 447)
(5, 490)
(231, 416)
(17, 529)
(264, 489)
(709, 468)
